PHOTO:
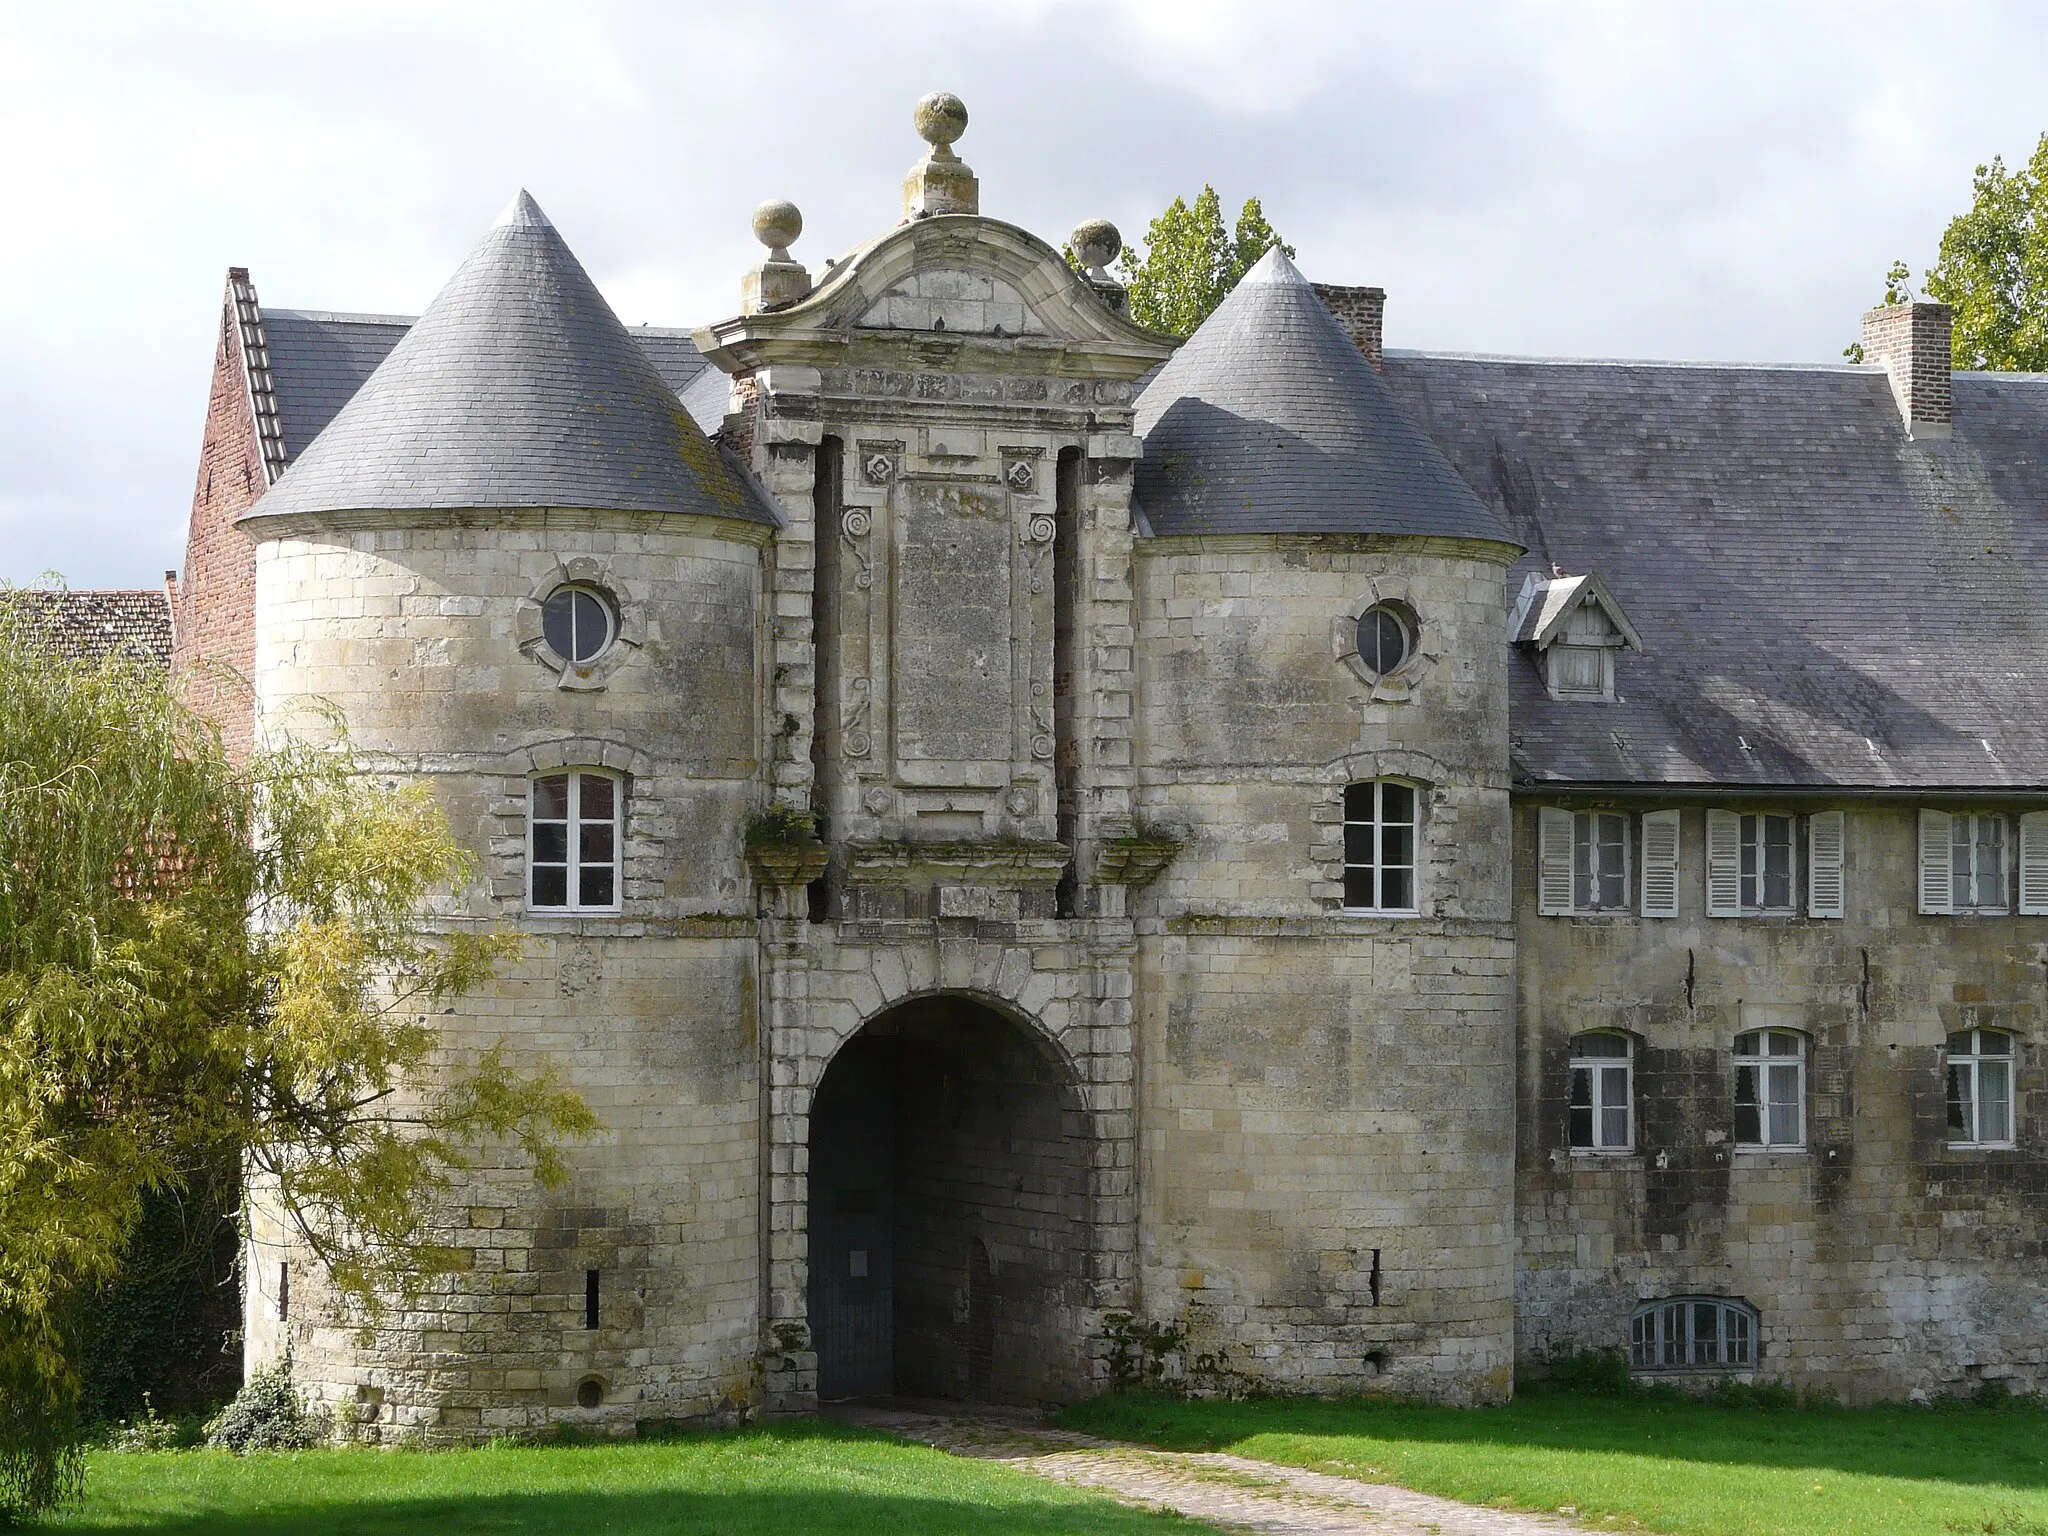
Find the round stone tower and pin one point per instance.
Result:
(1325, 1007)
(514, 565)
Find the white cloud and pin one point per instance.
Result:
(1683, 179)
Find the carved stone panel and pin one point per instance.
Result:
(952, 653)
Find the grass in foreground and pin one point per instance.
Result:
(789, 1477)
(1648, 1461)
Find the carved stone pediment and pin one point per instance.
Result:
(979, 286)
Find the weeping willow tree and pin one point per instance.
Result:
(199, 959)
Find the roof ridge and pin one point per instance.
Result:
(357, 316)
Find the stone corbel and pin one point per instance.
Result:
(1136, 860)
(783, 870)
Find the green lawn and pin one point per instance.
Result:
(799, 1477)
(1650, 1462)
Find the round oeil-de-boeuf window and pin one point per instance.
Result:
(1385, 638)
(578, 623)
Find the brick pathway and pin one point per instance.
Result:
(1233, 1492)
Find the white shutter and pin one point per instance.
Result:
(1660, 864)
(2034, 863)
(1937, 858)
(1553, 861)
(1724, 864)
(1826, 831)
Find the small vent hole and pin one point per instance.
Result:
(590, 1393)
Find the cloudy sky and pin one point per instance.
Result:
(1721, 180)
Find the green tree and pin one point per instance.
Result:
(1992, 270)
(1191, 261)
(199, 960)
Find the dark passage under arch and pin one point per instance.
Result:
(949, 1232)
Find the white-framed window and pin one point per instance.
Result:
(579, 623)
(1599, 861)
(1963, 863)
(1693, 1333)
(1767, 876)
(1380, 841)
(1980, 1068)
(573, 825)
(1770, 1088)
(1602, 1093)
(1977, 863)
(1583, 861)
(1386, 638)
(1752, 864)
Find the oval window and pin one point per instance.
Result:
(1384, 638)
(578, 624)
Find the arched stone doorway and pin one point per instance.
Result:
(949, 1216)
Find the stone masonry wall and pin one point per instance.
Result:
(1881, 1260)
(421, 636)
(1326, 1098)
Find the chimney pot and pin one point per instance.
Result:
(1914, 342)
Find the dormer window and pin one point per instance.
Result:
(1580, 672)
(1574, 627)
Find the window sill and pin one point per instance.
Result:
(1982, 1146)
(1384, 912)
(1743, 1373)
(1597, 914)
(1608, 1154)
(568, 914)
(1763, 1152)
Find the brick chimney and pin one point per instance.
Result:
(1913, 342)
(1362, 313)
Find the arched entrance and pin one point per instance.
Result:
(949, 1230)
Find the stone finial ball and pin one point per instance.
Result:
(777, 223)
(941, 118)
(1096, 242)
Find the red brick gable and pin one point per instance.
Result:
(216, 623)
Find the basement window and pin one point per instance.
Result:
(1693, 1333)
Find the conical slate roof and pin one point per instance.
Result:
(517, 388)
(1269, 420)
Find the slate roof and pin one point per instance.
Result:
(84, 624)
(319, 359)
(517, 387)
(1821, 600)
(1269, 420)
